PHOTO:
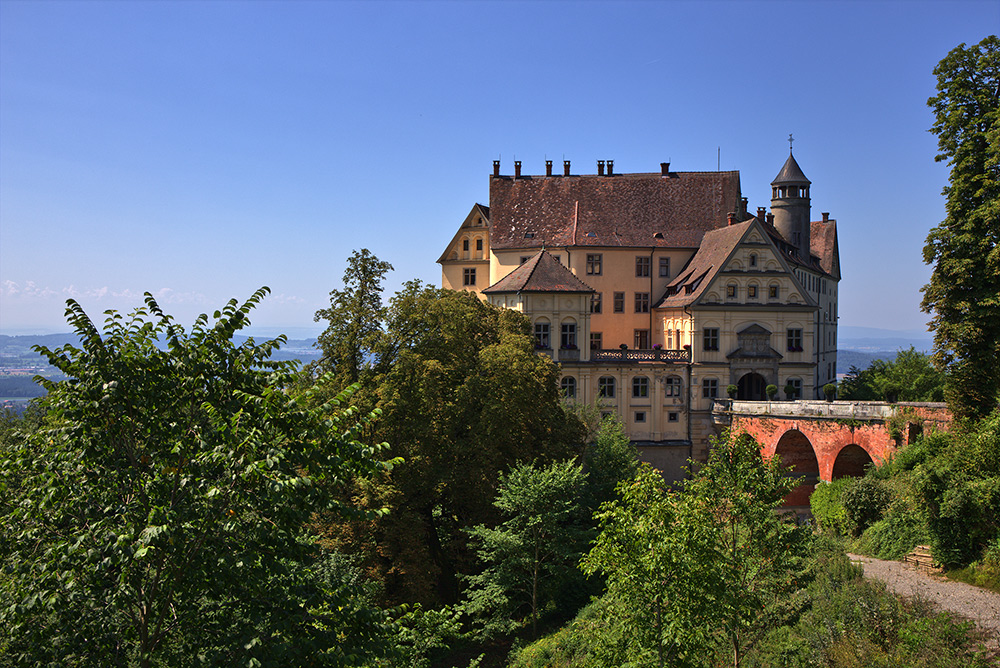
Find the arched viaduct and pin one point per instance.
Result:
(828, 440)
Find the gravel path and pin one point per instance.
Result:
(980, 605)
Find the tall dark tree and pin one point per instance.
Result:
(356, 317)
(963, 295)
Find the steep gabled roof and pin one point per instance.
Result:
(624, 210)
(540, 273)
(823, 245)
(715, 249)
(477, 209)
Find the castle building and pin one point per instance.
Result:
(656, 292)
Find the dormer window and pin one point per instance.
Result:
(529, 235)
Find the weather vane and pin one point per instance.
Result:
(790, 140)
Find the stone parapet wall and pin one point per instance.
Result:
(937, 413)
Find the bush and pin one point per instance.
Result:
(830, 390)
(894, 536)
(966, 521)
(731, 390)
(864, 502)
(770, 391)
(827, 508)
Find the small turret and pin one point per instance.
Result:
(790, 205)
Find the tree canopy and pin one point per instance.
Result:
(963, 294)
(909, 377)
(159, 514)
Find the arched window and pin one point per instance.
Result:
(673, 386)
(640, 387)
(606, 387)
(568, 387)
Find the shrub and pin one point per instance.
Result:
(731, 390)
(966, 521)
(770, 391)
(827, 508)
(830, 390)
(864, 502)
(895, 535)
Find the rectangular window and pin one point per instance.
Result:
(642, 267)
(751, 292)
(664, 267)
(465, 244)
(469, 276)
(670, 339)
(606, 387)
(619, 302)
(794, 340)
(642, 339)
(595, 302)
(594, 261)
(596, 342)
(568, 335)
(541, 335)
(640, 416)
(731, 291)
(479, 244)
(710, 388)
(672, 417)
(710, 339)
(772, 292)
(795, 385)
(640, 387)
(642, 302)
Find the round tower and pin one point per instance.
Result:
(790, 205)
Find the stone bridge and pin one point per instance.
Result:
(824, 440)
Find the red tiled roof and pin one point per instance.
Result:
(631, 210)
(541, 273)
(823, 245)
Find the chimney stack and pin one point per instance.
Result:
(826, 216)
(611, 167)
(548, 168)
(565, 167)
(761, 213)
(600, 168)
(743, 207)
(770, 219)
(496, 168)
(664, 168)
(730, 217)
(517, 169)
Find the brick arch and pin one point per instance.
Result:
(850, 461)
(797, 452)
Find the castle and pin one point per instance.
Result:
(658, 292)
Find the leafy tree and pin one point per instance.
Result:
(609, 460)
(533, 554)
(963, 294)
(355, 319)
(463, 397)
(759, 560)
(159, 516)
(909, 377)
(656, 550)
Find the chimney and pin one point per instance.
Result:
(517, 169)
(664, 168)
(761, 213)
(743, 207)
(548, 168)
(600, 168)
(826, 216)
(565, 167)
(730, 217)
(611, 167)
(770, 219)
(496, 168)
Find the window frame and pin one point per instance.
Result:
(710, 339)
(794, 339)
(642, 302)
(710, 388)
(642, 267)
(596, 337)
(673, 386)
(468, 276)
(595, 302)
(567, 336)
(664, 267)
(543, 335)
(619, 302)
(640, 387)
(567, 386)
(606, 387)
(595, 264)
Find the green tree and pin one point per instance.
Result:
(533, 554)
(963, 294)
(159, 516)
(463, 397)
(656, 550)
(355, 318)
(759, 557)
(909, 377)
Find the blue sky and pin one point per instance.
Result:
(199, 150)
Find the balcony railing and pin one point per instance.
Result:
(640, 355)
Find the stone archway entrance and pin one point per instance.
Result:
(797, 452)
(851, 461)
(751, 387)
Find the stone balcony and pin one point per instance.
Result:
(638, 356)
